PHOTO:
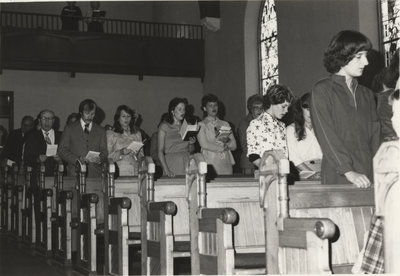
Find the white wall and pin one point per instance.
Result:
(34, 91)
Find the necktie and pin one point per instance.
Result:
(86, 128)
(47, 138)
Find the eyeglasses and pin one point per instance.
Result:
(47, 119)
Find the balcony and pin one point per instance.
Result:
(36, 42)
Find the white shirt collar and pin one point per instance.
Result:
(83, 125)
(51, 134)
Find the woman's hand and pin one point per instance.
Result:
(169, 173)
(358, 179)
(192, 140)
(125, 151)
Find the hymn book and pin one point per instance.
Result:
(135, 146)
(188, 131)
(223, 133)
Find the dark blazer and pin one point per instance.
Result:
(36, 145)
(76, 143)
(13, 147)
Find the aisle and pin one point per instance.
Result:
(16, 261)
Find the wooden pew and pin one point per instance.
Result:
(44, 231)
(7, 199)
(122, 227)
(387, 194)
(296, 231)
(216, 246)
(62, 217)
(28, 221)
(165, 232)
(15, 204)
(89, 221)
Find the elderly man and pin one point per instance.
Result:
(81, 137)
(43, 142)
(40, 146)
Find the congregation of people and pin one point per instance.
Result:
(334, 129)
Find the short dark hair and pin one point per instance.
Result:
(27, 118)
(343, 47)
(171, 106)
(209, 98)
(117, 126)
(253, 99)
(87, 104)
(277, 94)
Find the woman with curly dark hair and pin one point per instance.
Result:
(121, 137)
(267, 131)
(303, 147)
(344, 113)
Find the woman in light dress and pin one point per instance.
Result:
(216, 151)
(119, 139)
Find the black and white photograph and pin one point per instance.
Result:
(199, 137)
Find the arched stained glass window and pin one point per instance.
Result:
(269, 46)
(390, 27)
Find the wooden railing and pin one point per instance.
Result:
(111, 26)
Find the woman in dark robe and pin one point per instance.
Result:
(344, 113)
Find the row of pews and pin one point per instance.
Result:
(227, 225)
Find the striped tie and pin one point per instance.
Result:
(47, 138)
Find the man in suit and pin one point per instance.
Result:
(38, 142)
(14, 145)
(36, 149)
(81, 137)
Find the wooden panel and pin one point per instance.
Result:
(208, 265)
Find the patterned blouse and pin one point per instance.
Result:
(266, 133)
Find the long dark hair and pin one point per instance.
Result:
(302, 102)
(171, 107)
(117, 126)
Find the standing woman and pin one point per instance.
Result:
(216, 152)
(344, 113)
(173, 152)
(267, 131)
(118, 140)
(304, 150)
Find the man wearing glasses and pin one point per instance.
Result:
(41, 145)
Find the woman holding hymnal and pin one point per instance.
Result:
(216, 138)
(124, 143)
(173, 151)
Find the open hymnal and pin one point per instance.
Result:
(188, 131)
(135, 146)
(223, 133)
(51, 150)
(92, 155)
(306, 174)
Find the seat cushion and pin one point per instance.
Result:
(250, 260)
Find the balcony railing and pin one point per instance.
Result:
(111, 26)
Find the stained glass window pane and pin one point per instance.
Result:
(390, 27)
(269, 46)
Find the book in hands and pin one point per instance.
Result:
(306, 174)
(135, 146)
(92, 156)
(187, 131)
(223, 133)
(51, 150)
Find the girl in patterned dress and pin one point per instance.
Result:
(267, 132)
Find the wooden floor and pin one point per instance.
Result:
(17, 260)
(20, 261)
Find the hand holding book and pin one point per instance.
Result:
(189, 131)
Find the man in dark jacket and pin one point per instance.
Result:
(14, 145)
